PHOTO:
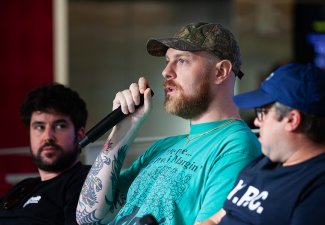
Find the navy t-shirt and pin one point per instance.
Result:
(51, 202)
(267, 193)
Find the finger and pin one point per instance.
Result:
(119, 101)
(147, 99)
(124, 100)
(134, 89)
(143, 84)
(128, 96)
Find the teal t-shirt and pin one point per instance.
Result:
(186, 178)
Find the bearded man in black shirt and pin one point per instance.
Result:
(56, 117)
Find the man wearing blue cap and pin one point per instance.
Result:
(287, 185)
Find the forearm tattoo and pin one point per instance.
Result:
(108, 146)
(117, 163)
(94, 184)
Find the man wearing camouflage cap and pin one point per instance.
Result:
(182, 179)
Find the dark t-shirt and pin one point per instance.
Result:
(267, 193)
(51, 202)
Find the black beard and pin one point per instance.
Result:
(64, 162)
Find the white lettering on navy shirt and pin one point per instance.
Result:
(252, 198)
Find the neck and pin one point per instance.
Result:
(304, 150)
(217, 111)
(47, 175)
(222, 106)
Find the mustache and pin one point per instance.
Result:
(170, 83)
(50, 144)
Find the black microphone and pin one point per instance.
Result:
(106, 124)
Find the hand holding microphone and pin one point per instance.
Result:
(107, 123)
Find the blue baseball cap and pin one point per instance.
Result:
(299, 86)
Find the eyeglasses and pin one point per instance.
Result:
(260, 112)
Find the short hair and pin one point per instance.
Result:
(55, 97)
(311, 125)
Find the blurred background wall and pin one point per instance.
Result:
(98, 47)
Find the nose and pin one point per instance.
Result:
(257, 123)
(168, 73)
(49, 135)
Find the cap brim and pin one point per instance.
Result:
(159, 47)
(253, 99)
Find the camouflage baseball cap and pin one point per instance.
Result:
(209, 37)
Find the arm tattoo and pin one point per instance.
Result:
(117, 163)
(88, 218)
(108, 146)
(94, 184)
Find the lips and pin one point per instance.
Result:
(169, 90)
(49, 148)
(170, 87)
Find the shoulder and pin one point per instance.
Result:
(79, 167)
(260, 162)
(315, 168)
(239, 129)
(238, 132)
(239, 138)
(77, 172)
(32, 181)
(20, 187)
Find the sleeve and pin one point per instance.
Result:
(311, 209)
(237, 151)
(72, 193)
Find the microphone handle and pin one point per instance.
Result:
(106, 124)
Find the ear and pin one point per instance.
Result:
(293, 120)
(223, 70)
(81, 134)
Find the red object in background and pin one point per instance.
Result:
(26, 61)
(14, 165)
